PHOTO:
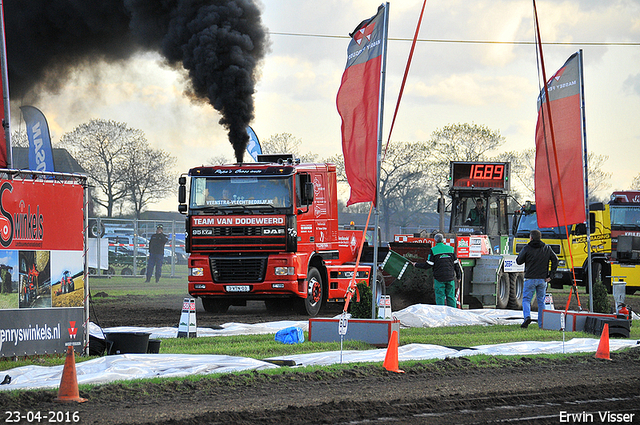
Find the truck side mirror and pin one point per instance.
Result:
(182, 191)
(308, 192)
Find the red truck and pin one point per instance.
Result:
(267, 231)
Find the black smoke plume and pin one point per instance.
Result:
(219, 42)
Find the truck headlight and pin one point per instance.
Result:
(562, 263)
(196, 271)
(284, 271)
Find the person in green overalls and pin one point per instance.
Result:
(446, 271)
(476, 215)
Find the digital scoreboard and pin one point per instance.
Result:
(479, 175)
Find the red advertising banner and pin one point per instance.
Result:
(41, 214)
(559, 177)
(358, 105)
(42, 280)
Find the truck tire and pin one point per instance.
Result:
(503, 289)
(212, 305)
(315, 293)
(516, 281)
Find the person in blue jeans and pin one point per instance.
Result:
(536, 257)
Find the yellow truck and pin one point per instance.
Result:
(575, 242)
(625, 238)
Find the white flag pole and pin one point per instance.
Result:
(374, 286)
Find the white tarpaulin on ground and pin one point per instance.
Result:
(140, 366)
(415, 316)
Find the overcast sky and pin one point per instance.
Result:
(450, 82)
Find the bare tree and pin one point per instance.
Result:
(461, 142)
(287, 143)
(218, 160)
(120, 165)
(19, 139)
(406, 191)
(598, 179)
(99, 146)
(523, 168)
(149, 175)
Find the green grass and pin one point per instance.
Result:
(264, 346)
(121, 286)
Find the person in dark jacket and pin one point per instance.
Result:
(156, 253)
(536, 257)
(446, 271)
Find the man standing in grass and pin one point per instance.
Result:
(156, 253)
(536, 256)
(446, 271)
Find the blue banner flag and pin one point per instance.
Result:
(40, 152)
(253, 147)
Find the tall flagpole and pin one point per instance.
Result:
(586, 180)
(5, 90)
(374, 290)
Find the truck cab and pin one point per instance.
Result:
(625, 238)
(267, 231)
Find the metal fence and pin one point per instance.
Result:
(121, 246)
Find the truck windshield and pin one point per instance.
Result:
(222, 192)
(625, 217)
(529, 222)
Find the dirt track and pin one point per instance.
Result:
(523, 389)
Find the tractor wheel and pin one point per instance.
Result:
(503, 290)
(516, 281)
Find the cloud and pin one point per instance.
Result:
(474, 90)
(632, 84)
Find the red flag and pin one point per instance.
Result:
(4, 160)
(3, 142)
(358, 106)
(560, 200)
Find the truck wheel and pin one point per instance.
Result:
(215, 306)
(516, 281)
(315, 292)
(126, 272)
(503, 290)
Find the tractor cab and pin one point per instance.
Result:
(479, 200)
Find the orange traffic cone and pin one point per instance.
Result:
(391, 358)
(68, 390)
(603, 346)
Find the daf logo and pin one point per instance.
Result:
(273, 231)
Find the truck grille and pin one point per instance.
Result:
(235, 239)
(237, 231)
(238, 269)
